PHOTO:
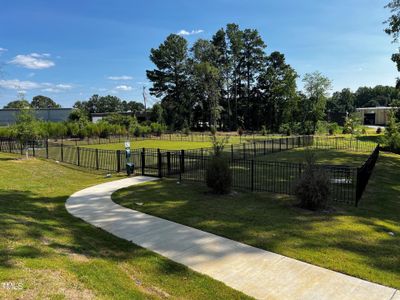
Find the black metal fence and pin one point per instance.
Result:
(364, 173)
(346, 183)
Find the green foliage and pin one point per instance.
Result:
(316, 87)
(352, 124)
(218, 144)
(213, 130)
(312, 190)
(219, 175)
(391, 138)
(342, 102)
(27, 127)
(157, 129)
(324, 127)
(379, 130)
(18, 104)
(44, 102)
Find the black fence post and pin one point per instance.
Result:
(143, 155)
(33, 149)
(231, 152)
(9, 145)
(118, 161)
(300, 169)
(21, 148)
(244, 151)
(78, 156)
(287, 143)
(62, 151)
(280, 145)
(97, 159)
(47, 148)
(182, 161)
(252, 175)
(169, 163)
(255, 148)
(159, 163)
(265, 147)
(272, 145)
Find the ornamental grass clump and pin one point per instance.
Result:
(312, 190)
(219, 174)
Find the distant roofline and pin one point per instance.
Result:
(377, 108)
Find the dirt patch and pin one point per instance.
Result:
(45, 284)
(144, 287)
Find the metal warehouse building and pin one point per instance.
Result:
(375, 115)
(9, 116)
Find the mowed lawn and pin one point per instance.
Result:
(362, 242)
(161, 144)
(322, 156)
(53, 255)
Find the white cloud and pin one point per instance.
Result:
(33, 61)
(185, 32)
(3, 50)
(64, 86)
(16, 84)
(124, 88)
(123, 77)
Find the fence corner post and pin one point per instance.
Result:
(118, 161)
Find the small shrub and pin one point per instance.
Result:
(379, 130)
(312, 190)
(219, 175)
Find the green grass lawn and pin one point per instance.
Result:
(322, 156)
(166, 145)
(54, 255)
(355, 241)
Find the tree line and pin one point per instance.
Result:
(230, 81)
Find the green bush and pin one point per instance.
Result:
(391, 138)
(219, 175)
(312, 190)
(379, 130)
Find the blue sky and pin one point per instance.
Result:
(69, 50)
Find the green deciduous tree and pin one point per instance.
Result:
(393, 29)
(43, 102)
(316, 88)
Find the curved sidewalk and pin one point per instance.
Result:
(255, 272)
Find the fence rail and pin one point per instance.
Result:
(346, 183)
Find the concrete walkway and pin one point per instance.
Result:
(255, 272)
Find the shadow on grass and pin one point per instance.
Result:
(32, 224)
